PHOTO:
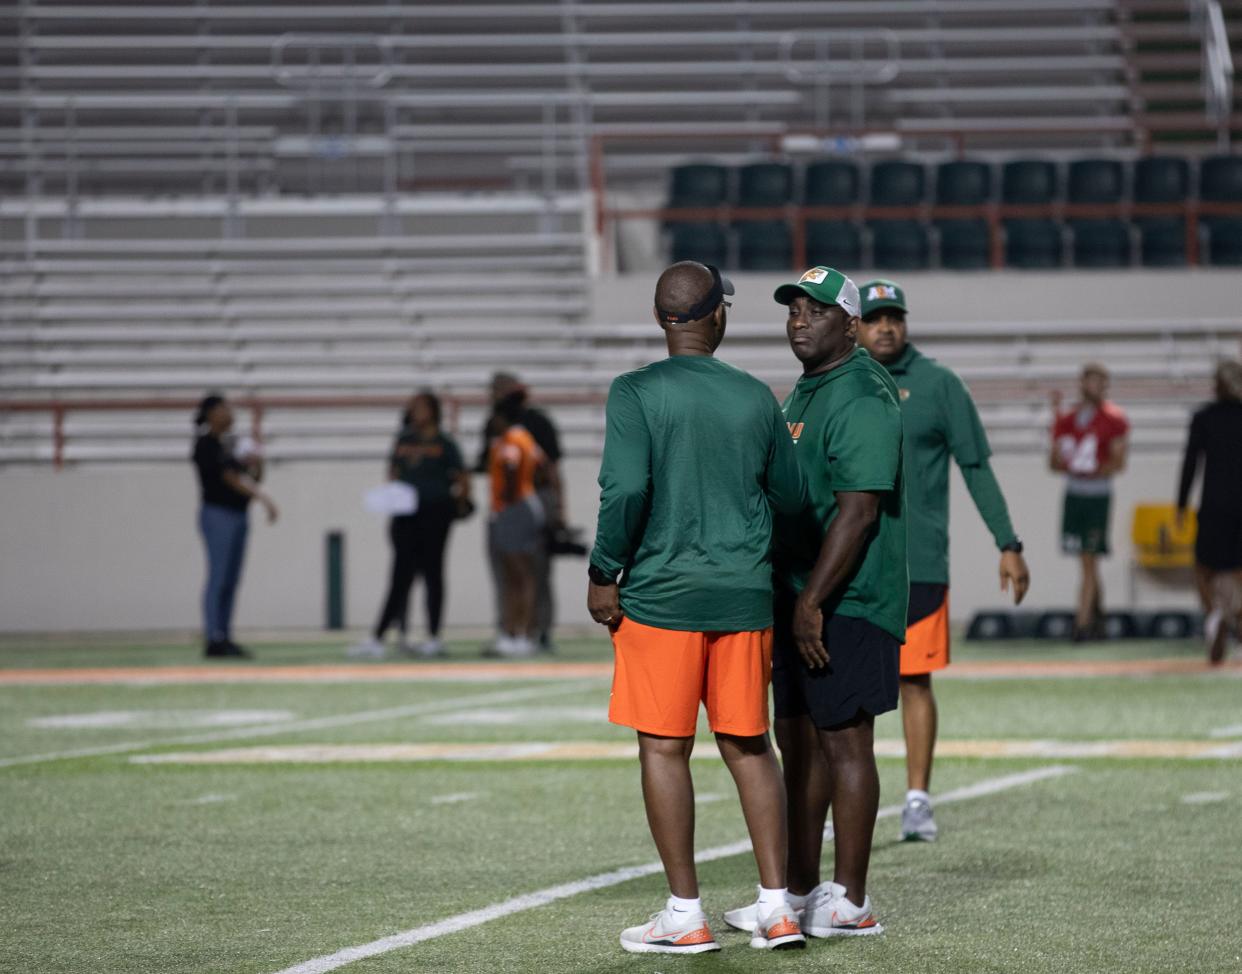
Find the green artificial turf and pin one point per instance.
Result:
(107, 865)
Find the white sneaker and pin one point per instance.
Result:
(747, 917)
(830, 914)
(918, 824)
(514, 647)
(430, 648)
(366, 649)
(1216, 634)
(670, 933)
(779, 930)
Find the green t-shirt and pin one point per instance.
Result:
(696, 455)
(940, 421)
(427, 465)
(846, 426)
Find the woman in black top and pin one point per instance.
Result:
(1216, 440)
(228, 483)
(431, 463)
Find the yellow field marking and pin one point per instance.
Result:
(624, 750)
(466, 672)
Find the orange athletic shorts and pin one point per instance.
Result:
(927, 637)
(661, 676)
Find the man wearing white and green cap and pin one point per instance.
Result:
(840, 602)
(939, 420)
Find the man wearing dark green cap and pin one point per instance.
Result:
(939, 420)
(840, 604)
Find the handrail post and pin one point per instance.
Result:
(58, 436)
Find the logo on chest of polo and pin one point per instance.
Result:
(904, 394)
(795, 430)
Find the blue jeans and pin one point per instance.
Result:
(224, 533)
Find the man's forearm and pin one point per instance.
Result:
(839, 553)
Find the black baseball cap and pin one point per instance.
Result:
(721, 286)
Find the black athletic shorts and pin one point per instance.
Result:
(1218, 545)
(926, 598)
(861, 673)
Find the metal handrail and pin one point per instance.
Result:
(315, 73)
(1217, 63)
(855, 68)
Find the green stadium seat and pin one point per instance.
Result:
(963, 183)
(1095, 181)
(899, 245)
(765, 184)
(1220, 179)
(1101, 243)
(1161, 179)
(1225, 241)
(831, 182)
(764, 245)
(833, 243)
(1028, 181)
(897, 183)
(964, 244)
(704, 242)
(698, 184)
(1033, 244)
(1162, 241)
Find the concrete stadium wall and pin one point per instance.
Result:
(984, 296)
(114, 547)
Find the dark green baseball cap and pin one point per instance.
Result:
(882, 294)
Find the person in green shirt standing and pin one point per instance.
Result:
(940, 421)
(840, 606)
(696, 458)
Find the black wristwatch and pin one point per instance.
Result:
(600, 577)
(1015, 546)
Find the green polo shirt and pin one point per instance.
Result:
(940, 420)
(696, 458)
(846, 426)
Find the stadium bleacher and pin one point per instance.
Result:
(287, 199)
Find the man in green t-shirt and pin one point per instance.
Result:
(939, 421)
(840, 606)
(696, 458)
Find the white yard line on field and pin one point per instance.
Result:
(1204, 797)
(455, 798)
(1224, 751)
(312, 723)
(529, 901)
(1233, 730)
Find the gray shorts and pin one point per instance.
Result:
(516, 529)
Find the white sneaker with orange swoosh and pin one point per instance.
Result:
(830, 914)
(779, 930)
(668, 932)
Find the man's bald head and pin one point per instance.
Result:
(683, 286)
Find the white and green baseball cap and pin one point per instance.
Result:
(825, 285)
(882, 294)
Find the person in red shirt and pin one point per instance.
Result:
(1089, 443)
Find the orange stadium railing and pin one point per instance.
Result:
(986, 391)
(258, 407)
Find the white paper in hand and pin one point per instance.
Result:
(392, 498)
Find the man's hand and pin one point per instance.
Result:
(1013, 570)
(604, 604)
(808, 628)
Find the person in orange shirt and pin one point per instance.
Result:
(515, 525)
